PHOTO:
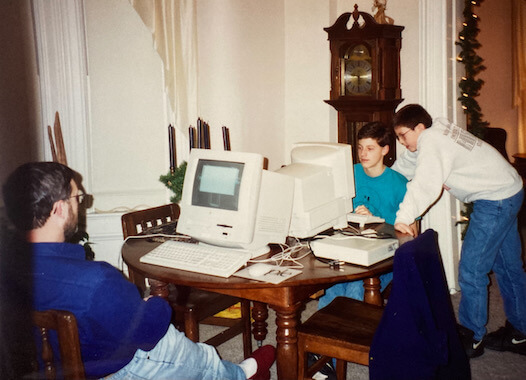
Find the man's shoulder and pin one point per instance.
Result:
(68, 260)
(100, 271)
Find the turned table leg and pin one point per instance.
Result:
(159, 288)
(372, 292)
(287, 320)
(259, 326)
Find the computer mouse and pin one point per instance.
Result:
(259, 269)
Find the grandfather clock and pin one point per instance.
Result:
(365, 74)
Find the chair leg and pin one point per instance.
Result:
(302, 359)
(341, 369)
(191, 327)
(247, 336)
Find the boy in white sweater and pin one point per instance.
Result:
(440, 156)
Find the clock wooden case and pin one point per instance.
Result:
(365, 74)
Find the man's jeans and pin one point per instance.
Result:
(177, 357)
(492, 242)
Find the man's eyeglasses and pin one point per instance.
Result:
(80, 197)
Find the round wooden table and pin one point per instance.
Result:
(287, 299)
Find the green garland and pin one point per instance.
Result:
(470, 85)
(174, 182)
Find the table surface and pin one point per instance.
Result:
(286, 298)
(313, 272)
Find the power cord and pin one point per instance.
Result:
(288, 254)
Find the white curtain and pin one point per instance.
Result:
(519, 67)
(174, 31)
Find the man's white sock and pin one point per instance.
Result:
(249, 366)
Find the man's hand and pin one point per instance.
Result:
(404, 228)
(362, 210)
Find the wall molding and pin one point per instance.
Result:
(437, 93)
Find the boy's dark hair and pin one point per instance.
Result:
(376, 131)
(31, 191)
(412, 115)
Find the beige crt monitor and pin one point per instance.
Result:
(323, 187)
(229, 200)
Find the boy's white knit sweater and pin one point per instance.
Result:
(450, 157)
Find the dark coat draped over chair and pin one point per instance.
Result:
(417, 336)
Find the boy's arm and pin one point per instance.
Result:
(406, 164)
(432, 168)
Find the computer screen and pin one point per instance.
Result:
(217, 184)
(229, 200)
(324, 187)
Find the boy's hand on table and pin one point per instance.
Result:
(404, 228)
(415, 228)
(362, 210)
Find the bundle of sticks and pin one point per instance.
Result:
(58, 151)
(199, 137)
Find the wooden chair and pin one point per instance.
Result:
(133, 223)
(191, 306)
(65, 324)
(409, 338)
(344, 330)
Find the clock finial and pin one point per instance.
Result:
(356, 13)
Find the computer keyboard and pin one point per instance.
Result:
(362, 220)
(200, 258)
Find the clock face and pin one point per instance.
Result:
(358, 77)
(357, 71)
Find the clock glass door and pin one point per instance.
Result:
(357, 73)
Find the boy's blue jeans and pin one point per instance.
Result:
(352, 289)
(177, 357)
(492, 242)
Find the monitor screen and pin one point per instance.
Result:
(217, 184)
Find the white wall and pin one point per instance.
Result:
(129, 147)
(307, 74)
(241, 73)
(264, 69)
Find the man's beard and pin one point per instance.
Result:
(71, 225)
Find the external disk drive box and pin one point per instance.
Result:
(354, 249)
